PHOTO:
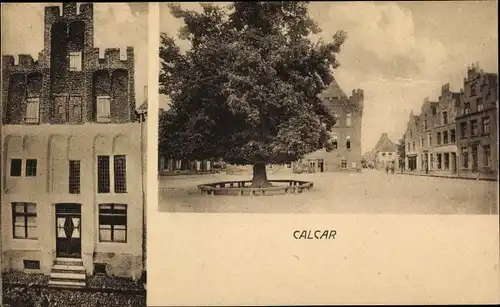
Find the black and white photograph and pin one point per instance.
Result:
(359, 108)
(74, 110)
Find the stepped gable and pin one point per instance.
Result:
(385, 144)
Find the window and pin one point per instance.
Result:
(474, 128)
(30, 167)
(335, 144)
(103, 180)
(348, 142)
(348, 120)
(438, 138)
(465, 157)
(413, 145)
(486, 155)
(463, 130)
(452, 136)
(421, 141)
(445, 118)
(411, 134)
(486, 125)
(383, 154)
(112, 223)
(474, 157)
(480, 105)
(15, 167)
(75, 61)
(467, 108)
(120, 174)
(438, 158)
(343, 164)
(74, 177)
(425, 123)
(31, 264)
(408, 147)
(100, 268)
(24, 220)
(75, 109)
(445, 137)
(32, 115)
(446, 161)
(429, 137)
(336, 117)
(103, 109)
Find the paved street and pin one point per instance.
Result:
(370, 192)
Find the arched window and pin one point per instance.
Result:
(348, 119)
(335, 144)
(348, 142)
(336, 117)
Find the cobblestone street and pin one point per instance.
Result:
(369, 192)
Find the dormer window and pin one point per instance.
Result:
(75, 61)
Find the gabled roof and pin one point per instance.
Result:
(384, 144)
(334, 91)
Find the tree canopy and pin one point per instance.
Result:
(247, 90)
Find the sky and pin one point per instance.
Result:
(399, 53)
(115, 26)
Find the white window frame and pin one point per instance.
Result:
(103, 113)
(75, 60)
(34, 102)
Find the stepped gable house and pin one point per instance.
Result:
(72, 189)
(346, 134)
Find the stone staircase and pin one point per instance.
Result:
(67, 273)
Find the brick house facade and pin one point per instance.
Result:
(73, 170)
(346, 133)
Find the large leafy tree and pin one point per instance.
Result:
(247, 89)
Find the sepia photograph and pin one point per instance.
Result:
(74, 110)
(359, 108)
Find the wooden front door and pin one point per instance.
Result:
(68, 230)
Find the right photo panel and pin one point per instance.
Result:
(297, 117)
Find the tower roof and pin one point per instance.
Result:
(334, 91)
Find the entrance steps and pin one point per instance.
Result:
(67, 273)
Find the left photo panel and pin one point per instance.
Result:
(73, 164)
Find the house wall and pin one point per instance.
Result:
(341, 107)
(53, 146)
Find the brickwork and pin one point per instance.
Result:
(478, 113)
(347, 132)
(64, 33)
(458, 134)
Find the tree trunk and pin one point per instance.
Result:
(259, 179)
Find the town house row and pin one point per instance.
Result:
(458, 133)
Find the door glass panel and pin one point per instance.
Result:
(76, 229)
(61, 233)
